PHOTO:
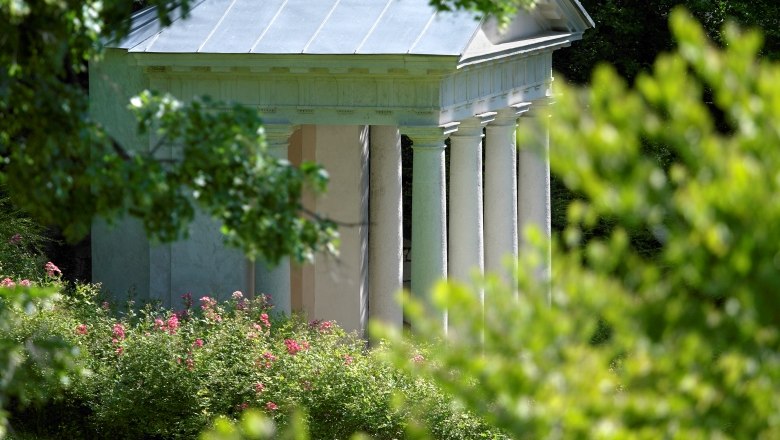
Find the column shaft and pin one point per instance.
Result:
(466, 250)
(429, 226)
(501, 194)
(534, 179)
(385, 239)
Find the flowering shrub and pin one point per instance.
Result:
(156, 373)
(21, 244)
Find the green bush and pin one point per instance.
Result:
(21, 244)
(156, 373)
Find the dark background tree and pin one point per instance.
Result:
(630, 34)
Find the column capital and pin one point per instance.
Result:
(473, 126)
(540, 108)
(277, 138)
(278, 133)
(429, 136)
(509, 115)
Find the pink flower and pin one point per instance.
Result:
(119, 332)
(207, 303)
(159, 324)
(259, 387)
(52, 270)
(15, 239)
(190, 363)
(7, 282)
(292, 346)
(265, 320)
(25, 283)
(347, 359)
(198, 343)
(270, 406)
(267, 359)
(81, 329)
(326, 326)
(237, 295)
(119, 350)
(172, 324)
(243, 406)
(418, 358)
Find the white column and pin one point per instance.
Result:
(466, 250)
(385, 234)
(501, 193)
(533, 196)
(429, 226)
(275, 280)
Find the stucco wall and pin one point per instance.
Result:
(122, 257)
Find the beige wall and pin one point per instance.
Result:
(340, 282)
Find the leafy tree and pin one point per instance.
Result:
(63, 168)
(680, 344)
(630, 35)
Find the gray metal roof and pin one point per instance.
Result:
(306, 27)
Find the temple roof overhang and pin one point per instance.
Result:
(355, 61)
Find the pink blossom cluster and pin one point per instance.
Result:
(15, 239)
(81, 329)
(270, 406)
(198, 343)
(259, 387)
(418, 358)
(209, 307)
(9, 283)
(321, 326)
(238, 297)
(266, 360)
(264, 319)
(293, 347)
(256, 331)
(118, 331)
(348, 359)
(52, 270)
(189, 362)
(170, 325)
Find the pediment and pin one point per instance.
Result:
(551, 23)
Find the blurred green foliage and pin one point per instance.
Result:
(682, 343)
